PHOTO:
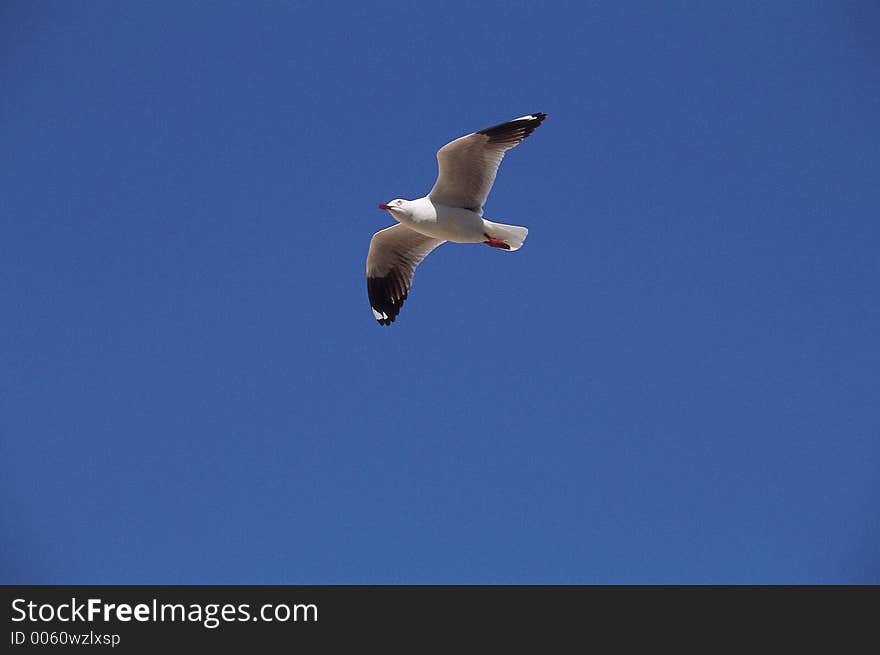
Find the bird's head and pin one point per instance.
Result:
(396, 206)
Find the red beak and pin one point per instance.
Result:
(384, 206)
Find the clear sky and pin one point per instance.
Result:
(676, 380)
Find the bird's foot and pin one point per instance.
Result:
(495, 243)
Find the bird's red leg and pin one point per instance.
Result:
(495, 243)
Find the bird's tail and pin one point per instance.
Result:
(512, 235)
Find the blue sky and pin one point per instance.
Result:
(676, 380)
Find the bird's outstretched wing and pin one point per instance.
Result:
(468, 165)
(391, 263)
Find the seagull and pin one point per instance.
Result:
(452, 211)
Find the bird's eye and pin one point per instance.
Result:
(400, 202)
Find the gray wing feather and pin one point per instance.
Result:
(468, 165)
(391, 264)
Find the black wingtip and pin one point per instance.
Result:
(387, 295)
(516, 130)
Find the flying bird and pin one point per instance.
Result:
(452, 211)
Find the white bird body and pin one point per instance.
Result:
(452, 211)
(455, 224)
